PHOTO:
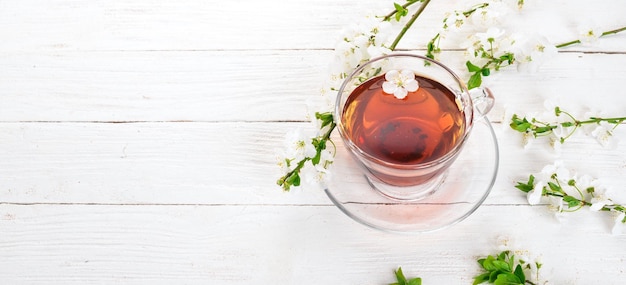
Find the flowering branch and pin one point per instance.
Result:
(565, 129)
(591, 34)
(433, 45)
(491, 50)
(408, 25)
(292, 177)
(571, 193)
(508, 58)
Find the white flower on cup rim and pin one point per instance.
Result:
(400, 83)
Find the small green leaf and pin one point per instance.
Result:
(400, 11)
(488, 263)
(493, 276)
(528, 186)
(485, 71)
(571, 201)
(541, 130)
(519, 272)
(502, 256)
(471, 67)
(293, 179)
(475, 81)
(403, 281)
(400, 277)
(507, 279)
(325, 118)
(554, 187)
(522, 128)
(482, 278)
(502, 265)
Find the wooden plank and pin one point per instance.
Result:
(220, 163)
(94, 244)
(245, 86)
(249, 24)
(159, 86)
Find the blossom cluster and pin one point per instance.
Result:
(494, 41)
(558, 125)
(565, 191)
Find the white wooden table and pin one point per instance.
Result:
(137, 146)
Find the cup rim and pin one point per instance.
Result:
(449, 155)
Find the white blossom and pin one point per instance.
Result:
(454, 21)
(558, 169)
(298, 144)
(556, 206)
(599, 200)
(532, 52)
(400, 83)
(489, 16)
(361, 42)
(603, 133)
(534, 196)
(314, 176)
(619, 225)
(588, 35)
(527, 140)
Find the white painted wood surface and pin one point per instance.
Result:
(137, 147)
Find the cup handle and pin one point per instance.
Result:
(482, 100)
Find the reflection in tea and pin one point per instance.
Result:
(422, 127)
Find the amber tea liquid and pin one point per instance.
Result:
(420, 128)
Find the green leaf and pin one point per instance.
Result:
(502, 256)
(400, 277)
(403, 281)
(502, 265)
(507, 279)
(482, 278)
(493, 276)
(400, 11)
(554, 187)
(485, 71)
(325, 118)
(541, 130)
(293, 179)
(481, 261)
(471, 67)
(488, 263)
(528, 186)
(519, 272)
(520, 125)
(475, 81)
(320, 145)
(571, 201)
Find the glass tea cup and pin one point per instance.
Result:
(405, 119)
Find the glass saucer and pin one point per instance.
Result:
(467, 184)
